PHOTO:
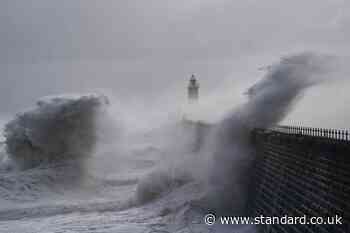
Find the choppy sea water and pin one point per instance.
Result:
(33, 202)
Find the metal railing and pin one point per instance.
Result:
(338, 134)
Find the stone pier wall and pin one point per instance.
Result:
(298, 175)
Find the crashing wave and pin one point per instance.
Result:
(270, 100)
(58, 129)
(158, 183)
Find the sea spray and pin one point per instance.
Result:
(58, 129)
(179, 143)
(269, 101)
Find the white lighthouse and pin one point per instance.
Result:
(193, 90)
(190, 109)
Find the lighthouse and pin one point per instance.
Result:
(193, 90)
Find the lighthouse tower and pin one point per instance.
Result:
(193, 90)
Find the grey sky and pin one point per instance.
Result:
(193, 29)
(149, 48)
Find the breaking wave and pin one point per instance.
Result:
(58, 129)
(47, 148)
(269, 101)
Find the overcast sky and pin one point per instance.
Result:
(144, 49)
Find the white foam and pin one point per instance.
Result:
(58, 128)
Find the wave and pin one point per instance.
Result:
(51, 210)
(269, 101)
(180, 144)
(46, 148)
(39, 182)
(159, 183)
(59, 128)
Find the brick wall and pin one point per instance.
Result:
(298, 175)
